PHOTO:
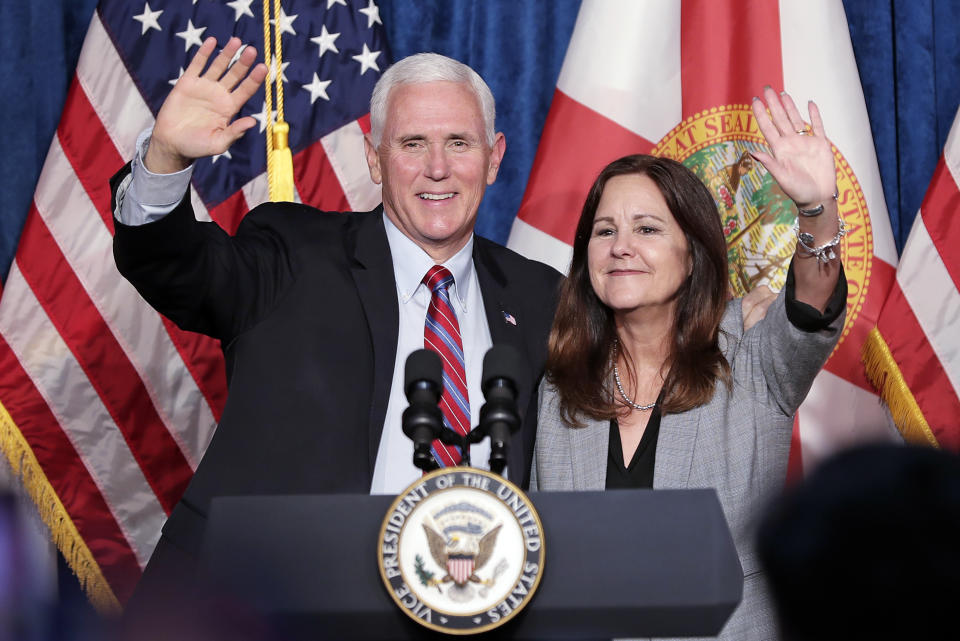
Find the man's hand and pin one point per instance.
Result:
(194, 120)
(755, 304)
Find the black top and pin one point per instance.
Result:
(807, 317)
(639, 474)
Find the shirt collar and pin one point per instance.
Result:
(411, 263)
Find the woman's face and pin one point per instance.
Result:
(637, 255)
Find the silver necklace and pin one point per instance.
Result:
(642, 408)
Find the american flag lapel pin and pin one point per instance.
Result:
(509, 318)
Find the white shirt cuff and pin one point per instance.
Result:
(144, 196)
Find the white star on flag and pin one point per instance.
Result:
(240, 8)
(373, 15)
(367, 59)
(317, 89)
(286, 22)
(330, 3)
(191, 35)
(262, 117)
(148, 19)
(173, 81)
(215, 158)
(326, 41)
(273, 70)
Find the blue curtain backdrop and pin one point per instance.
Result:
(907, 51)
(39, 44)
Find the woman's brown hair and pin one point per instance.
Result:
(583, 336)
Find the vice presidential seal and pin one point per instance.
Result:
(461, 550)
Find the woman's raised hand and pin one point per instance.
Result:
(800, 158)
(195, 119)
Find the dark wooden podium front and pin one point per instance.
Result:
(625, 563)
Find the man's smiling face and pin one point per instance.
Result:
(434, 163)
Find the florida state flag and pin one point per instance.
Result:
(676, 79)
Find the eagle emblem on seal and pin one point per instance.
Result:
(461, 555)
(461, 538)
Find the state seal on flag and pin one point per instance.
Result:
(461, 550)
(757, 216)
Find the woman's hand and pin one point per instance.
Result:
(800, 158)
(194, 120)
(801, 161)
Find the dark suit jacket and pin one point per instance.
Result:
(305, 305)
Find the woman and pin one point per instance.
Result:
(652, 380)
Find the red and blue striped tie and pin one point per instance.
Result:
(441, 333)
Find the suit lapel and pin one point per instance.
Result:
(372, 272)
(500, 303)
(499, 300)
(675, 445)
(589, 448)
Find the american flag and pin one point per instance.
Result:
(913, 355)
(106, 406)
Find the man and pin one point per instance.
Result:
(317, 312)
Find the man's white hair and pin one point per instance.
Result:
(429, 67)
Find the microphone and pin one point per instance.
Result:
(422, 420)
(499, 418)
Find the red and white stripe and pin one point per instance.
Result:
(920, 319)
(460, 568)
(116, 403)
(637, 68)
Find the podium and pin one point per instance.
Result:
(625, 563)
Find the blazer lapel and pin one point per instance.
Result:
(372, 271)
(506, 328)
(675, 444)
(589, 448)
(499, 300)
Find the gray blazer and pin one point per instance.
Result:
(737, 443)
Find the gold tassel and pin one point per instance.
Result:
(882, 370)
(62, 529)
(281, 179)
(279, 156)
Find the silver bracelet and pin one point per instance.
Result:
(824, 253)
(816, 211)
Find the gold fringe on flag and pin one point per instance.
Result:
(62, 530)
(279, 157)
(882, 370)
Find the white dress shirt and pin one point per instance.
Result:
(394, 469)
(144, 196)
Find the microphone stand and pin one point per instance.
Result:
(422, 421)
